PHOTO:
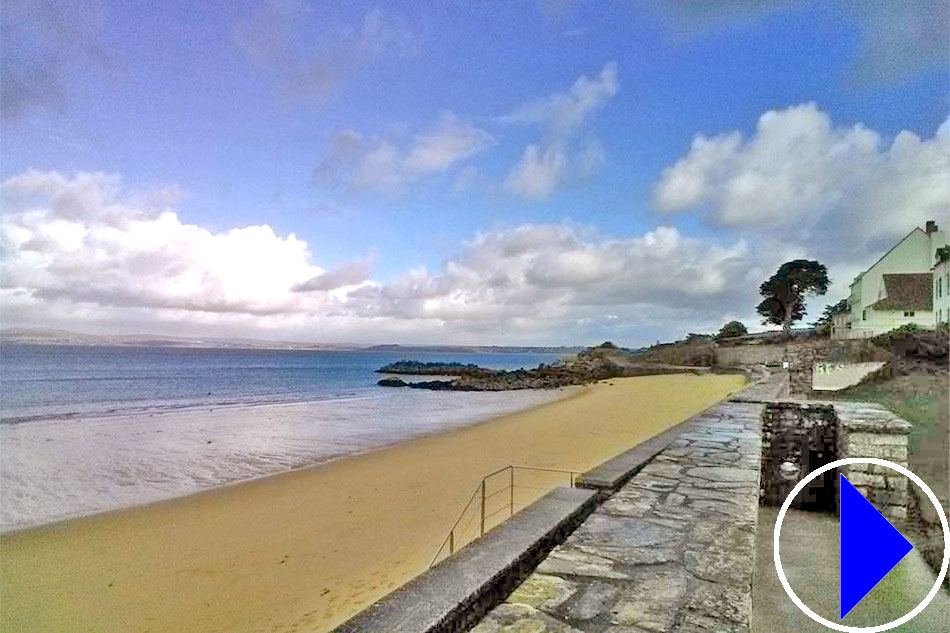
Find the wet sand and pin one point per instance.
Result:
(306, 549)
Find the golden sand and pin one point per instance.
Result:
(307, 549)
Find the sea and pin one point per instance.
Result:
(84, 429)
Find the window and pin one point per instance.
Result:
(908, 313)
(864, 315)
(939, 287)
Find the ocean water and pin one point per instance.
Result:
(85, 429)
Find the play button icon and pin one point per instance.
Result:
(870, 547)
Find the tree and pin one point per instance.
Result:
(823, 324)
(732, 330)
(943, 254)
(785, 291)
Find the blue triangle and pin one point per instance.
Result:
(870, 547)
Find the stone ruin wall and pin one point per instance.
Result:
(872, 431)
(799, 438)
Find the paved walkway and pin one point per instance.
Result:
(671, 551)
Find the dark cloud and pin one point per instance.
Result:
(897, 39)
(309, 54)
(349, 274)
(42, 43)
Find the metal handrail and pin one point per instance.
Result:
(480, 496)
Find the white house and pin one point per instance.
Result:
(941, 291)
(891, 292)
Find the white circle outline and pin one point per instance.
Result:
(843, 627)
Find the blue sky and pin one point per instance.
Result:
(405, 145)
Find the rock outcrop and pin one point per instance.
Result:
(590, 365)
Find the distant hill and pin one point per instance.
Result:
(36, 336)
(476, 349)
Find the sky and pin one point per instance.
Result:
(469, 172)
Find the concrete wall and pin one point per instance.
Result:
(832, 376)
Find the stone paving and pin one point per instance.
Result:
(671, 551)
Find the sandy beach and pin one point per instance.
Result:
(306, 549)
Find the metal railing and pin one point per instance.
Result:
(482, 512)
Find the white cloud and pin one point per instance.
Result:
(546, 166)
(590, 157)
(81, 240)
(801, 186)
(84, 252)
(538, 173)
(359, 164)
(813, 179)
(536, 275)
(562, 113)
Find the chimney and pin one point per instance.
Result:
(931, 227)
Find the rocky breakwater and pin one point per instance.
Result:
(588, 366)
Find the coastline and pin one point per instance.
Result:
(307, 548)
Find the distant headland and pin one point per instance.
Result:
(33, 336)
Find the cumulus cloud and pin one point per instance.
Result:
(815, 180)
(83, 240)
(85, 252)
(551, 275)
(557, 160)
(801, 186)
(43, 41)
(307, 53)
(357, 163)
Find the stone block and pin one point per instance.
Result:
(895, 513)
(858, 478)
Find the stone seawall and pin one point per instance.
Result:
(672, 550)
